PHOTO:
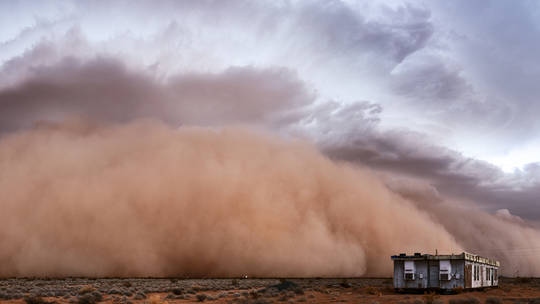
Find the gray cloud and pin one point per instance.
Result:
(105, 90)
(359, 140)
(339, 28)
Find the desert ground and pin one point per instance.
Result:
(309, 290)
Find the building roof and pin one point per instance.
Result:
(461, 256)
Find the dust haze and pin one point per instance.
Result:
(145, 199)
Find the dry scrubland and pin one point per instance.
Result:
(155, 291)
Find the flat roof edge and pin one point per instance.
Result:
(459, 256)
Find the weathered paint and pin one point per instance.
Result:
(425, 271)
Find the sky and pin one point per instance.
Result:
(443, 92)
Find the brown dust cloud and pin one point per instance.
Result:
(146, 199)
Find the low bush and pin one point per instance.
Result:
(86, 289)
(345, 284)
(90, 298)
(139, 296)
(523, 280)
(371, 290)
(469, 300)
(34, 300)
(177, 291)
(430, 298)
(201, 297)
(493, 300)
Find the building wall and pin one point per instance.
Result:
(480, 280)
(457, 278)
(427, 271)
(420, 275)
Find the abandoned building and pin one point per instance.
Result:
(445, 272)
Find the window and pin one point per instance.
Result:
(445, 270)
(410, 270)
(487, 273)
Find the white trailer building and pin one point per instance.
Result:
(444, 272)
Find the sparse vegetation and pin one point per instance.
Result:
(430, 298)
(249, 291)
(493, 300)
(201, 297)
(468, 300)
(345, 284)
(90, 298)
(457, 290)
(523, 280)
(34, 300)
(371, 290)
(139, 296)
(86, 289)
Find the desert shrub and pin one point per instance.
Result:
(173, 297)
(87, 298)
(299, 291)
(457, 290)
(197, 287)
(285, 285)
(234, 282)
(345, 284)
(253, 294)
(469, 300)
(201, 297)
(371, 290)
(430, 298)
(177, 291)
(493, 300)
(34, 300)
(260, 301)
(139, 296)
(127, 284)
(86, 289)
(284, 297)
(90, 297)
(114, 291)
(523, 280)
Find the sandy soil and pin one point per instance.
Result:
(259, 291)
